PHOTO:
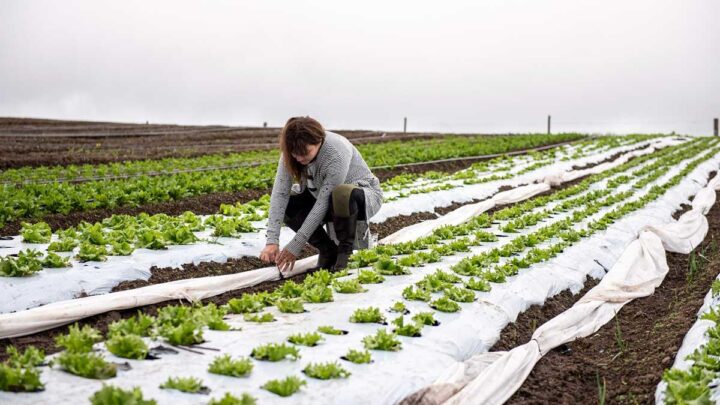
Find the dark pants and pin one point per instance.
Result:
(341, 205)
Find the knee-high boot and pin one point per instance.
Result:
(345, 233)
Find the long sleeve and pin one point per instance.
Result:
(336, 170)
(278, 202)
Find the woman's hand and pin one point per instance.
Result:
(270, 253)
(285, 261)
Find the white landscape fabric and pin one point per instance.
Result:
(639, 271)
(93, 278)
(392, 376)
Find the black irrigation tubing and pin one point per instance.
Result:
(254, 164)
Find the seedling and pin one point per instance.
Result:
(382, 340)
(329, 330)
(290, 305)
(358, 357)
(307, 339)
(367, 315)
(112, 395)
(325, 371)
(443, 304)
(225, 365)
(127, 346)
(286, 387)
(190, 385)
(275, 352)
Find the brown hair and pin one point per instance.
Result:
(295, 137)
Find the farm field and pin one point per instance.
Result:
(522, 268)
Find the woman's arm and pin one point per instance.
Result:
(278, 203)
(336, 172)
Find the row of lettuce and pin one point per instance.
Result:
(33, 201)
(183, 325)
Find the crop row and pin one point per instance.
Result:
(376, 154)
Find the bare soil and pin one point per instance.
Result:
(38, 142)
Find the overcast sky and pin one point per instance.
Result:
(464, 66)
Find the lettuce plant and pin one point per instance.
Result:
(88, 365)
(191, 385)
(62, 245)
(478, 284)
(31, 357)
(55, 261)
(307, 339)
(229, 399)
(247, 303)
(329, 330)
(369, 277)
(367, 315)
(444, 304)
(358, 357)
(112, 395)
(275, 352)
(79, 340)
(407, 329)
(318, 294)
(19, 378)
(127, 346)
(415, 294)
(36, 233)
(27, 263)
(351, 286)
(325, 371)
(92, 253)
(459, 294)
(382, 340)
(264, 317)
(225, 365)
(389, 267)
(290, 305)
(140, 324)
(285, 387)
(426, 318)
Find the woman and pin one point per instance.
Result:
(334, 185)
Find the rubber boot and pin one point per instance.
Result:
(319, 240)
(327, 248)
(345, 233)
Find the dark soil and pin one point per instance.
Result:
(652, 330)
(38, 142)
(41, 142)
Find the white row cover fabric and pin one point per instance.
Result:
(59, 313)
(639, 271)
(95, 278)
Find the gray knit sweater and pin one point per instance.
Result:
(337, 162)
